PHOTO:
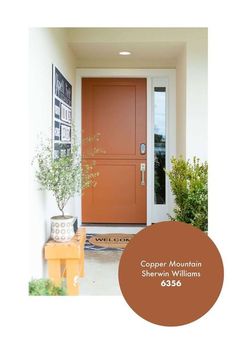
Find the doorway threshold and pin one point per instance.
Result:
(113, 228)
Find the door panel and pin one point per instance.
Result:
(115, 108)
(118, 196)
(115, 118)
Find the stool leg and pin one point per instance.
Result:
(54, 271)
(81, 265)
(82, 231)
(72, 275)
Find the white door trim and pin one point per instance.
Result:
(149, 74)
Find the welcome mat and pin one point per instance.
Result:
(103, 242)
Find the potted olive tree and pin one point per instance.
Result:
(64, 177)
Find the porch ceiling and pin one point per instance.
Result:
(99, 48)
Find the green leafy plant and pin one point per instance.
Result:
(189, 185)
(45, 287)
(64, 176)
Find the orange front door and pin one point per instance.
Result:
(116, 109)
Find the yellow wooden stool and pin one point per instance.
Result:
(66, 260)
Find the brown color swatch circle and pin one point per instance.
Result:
(171, 273)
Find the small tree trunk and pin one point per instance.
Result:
(61, 208)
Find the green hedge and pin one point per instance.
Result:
(189, 185)
(45, 287)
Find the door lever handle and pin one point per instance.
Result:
(142, 169)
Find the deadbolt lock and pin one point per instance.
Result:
(142, 149)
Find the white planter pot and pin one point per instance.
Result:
(62, 228)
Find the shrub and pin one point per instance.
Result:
(189, 185)
(45, 287)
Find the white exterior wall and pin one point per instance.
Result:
(46, 47)
(181, 104)
(191, 92)
(196, 99)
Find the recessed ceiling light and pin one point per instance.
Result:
(124, 53)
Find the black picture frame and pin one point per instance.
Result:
(62, 114)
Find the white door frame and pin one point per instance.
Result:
(153, 76)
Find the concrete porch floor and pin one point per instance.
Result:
(101, 273)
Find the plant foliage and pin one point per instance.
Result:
(189, 185)
(45, 287)
(64, 176)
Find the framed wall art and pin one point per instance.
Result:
(62, 114)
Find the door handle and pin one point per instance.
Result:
(142, 169)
